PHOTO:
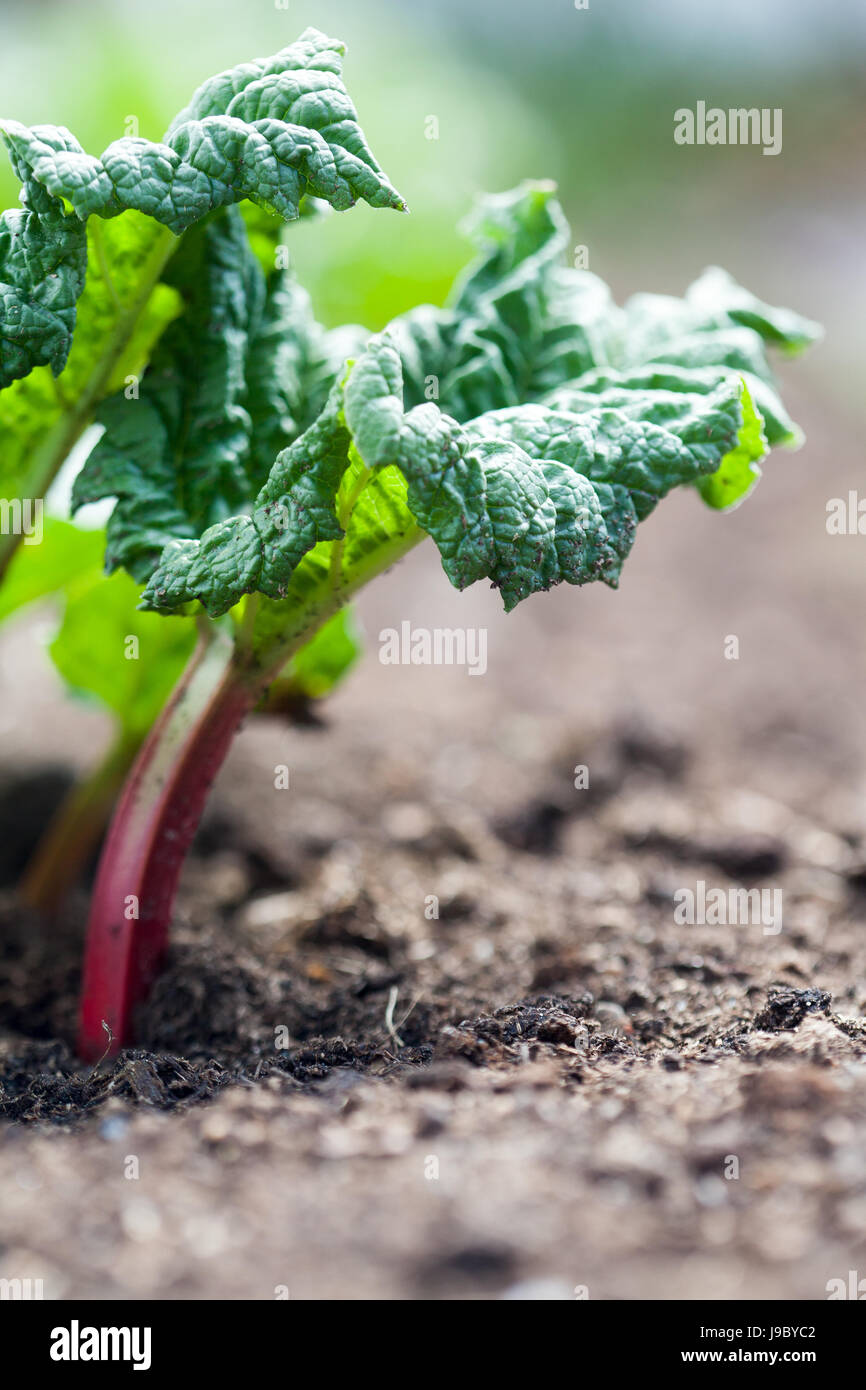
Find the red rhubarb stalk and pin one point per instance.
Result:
(153, 826)
(165, 793)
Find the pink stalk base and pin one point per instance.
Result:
(152, 829)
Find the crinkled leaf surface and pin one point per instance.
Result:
(527, 496)
(121, 313)
(240, 373)
(174, 454)
(527, 428)
(523, 327)
(272, 131)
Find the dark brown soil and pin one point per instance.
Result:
(552, 1085)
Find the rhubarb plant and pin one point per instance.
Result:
(267, 470)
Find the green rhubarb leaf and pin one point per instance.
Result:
(291, 368)
(43, 262)
(175, 455)
(718, 326)
(682, 400)
(524, 327)
(272, 131)
(716, 293)
(522, 520)
(65, 555)
(108, 650)
(526, 497)
(738, 471)
(519, 321)
(655, 324)
(705, 358)
(258, 553)
(121, 315)
(589, 428)
(194, 447)
(282, 127)
(105, 647)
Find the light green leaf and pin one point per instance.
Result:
(108, 649)
(738, 471)
(65, 554)
(92, 649)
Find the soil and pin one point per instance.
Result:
(430, 1027)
